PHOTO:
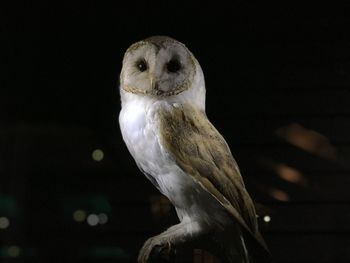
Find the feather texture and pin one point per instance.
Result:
(164, 126)
(201, 152)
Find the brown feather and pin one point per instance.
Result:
(201, 152)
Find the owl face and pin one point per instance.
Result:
(158, 66)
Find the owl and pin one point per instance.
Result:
(166, 130)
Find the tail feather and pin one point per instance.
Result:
(239, 247)
(236, 249)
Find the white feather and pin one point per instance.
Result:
(140, 130)
(139, 123)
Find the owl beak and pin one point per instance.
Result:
(155, 87)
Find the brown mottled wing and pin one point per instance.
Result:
(200, 151)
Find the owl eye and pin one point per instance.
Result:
(173, 65)
(141, 65)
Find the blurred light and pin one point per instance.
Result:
(279, 195)
(103, 218)
(160, 205)
(9, 206)
(290, 174)
(308, 140)
(14, 251)
(200, 255)
(4, 222)
(92, 220)
(267, 219)
(273, 192)
(79, 215)
(285, 172)
(97, 155)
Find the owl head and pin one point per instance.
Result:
(160, 67)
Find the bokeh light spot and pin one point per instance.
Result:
(79, 215)
(267, 218)
(92, 220)
(103, 218)
(97, 155)
(14, 251)
(4, 222)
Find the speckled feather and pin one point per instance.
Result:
(164, 126)
(200, 150)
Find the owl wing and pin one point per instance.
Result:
(201, 152)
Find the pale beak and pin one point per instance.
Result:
(155, 86)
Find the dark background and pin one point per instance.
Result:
(277, 88)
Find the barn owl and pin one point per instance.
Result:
(166, 130)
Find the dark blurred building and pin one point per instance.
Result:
(278, 89)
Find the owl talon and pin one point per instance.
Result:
(154, 251)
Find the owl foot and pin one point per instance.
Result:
(155, 250)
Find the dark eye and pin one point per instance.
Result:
(141, 65)
(173, 65)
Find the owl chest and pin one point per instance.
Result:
(141, 133)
